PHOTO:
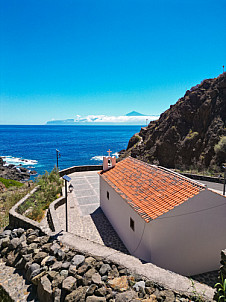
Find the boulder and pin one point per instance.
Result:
(91, 289)
(138, 285)
(78, 260)
(95, 299)
(126, 296)
(64, 273)
(33, 239)
(96, 279)
(48, 260)
(56, 266)
(69, 284)
(5, 242)
(72, 270)
(66, 265)
(77, 295)
(105, 268)
(83, 268)
(57, 295)
(119, 283)
(14, 243)
(5, 234)
(36, 279)
(60, 255)
(33, 267)
(40, 256)
(44, 290)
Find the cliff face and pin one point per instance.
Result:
(191, 132)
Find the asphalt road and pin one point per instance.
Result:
(213, 185)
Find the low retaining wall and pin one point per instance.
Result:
(52, 217)
(17, 220)
(205, 178)
(80, 169)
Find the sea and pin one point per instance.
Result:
(34, 147)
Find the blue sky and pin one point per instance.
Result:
(59, 59)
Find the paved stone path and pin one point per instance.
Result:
(15, 284)
(85, 217)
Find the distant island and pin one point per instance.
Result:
(131, 118)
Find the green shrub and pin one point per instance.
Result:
(221, 290)
(10, 183)
(220, 149)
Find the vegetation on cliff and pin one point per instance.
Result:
(190, 133)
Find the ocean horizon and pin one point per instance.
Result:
(34, 146)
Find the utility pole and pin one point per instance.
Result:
(224, 166)
(67, 179)
(57, 155)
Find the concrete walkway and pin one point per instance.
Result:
(85, 217)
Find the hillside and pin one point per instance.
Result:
(190, 133)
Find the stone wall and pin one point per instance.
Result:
(205, 178)
(17, 220)
(80, 169)
(52, 217)
(61, 273)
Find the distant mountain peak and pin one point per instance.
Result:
(134, 113)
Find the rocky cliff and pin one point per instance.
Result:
(191, 132)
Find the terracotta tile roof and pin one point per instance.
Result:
(150, 190)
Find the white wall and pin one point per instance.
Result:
(118, 213)
(187, 240)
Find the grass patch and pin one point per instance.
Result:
(50, 188)
(10, 183)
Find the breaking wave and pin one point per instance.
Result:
(97, 158)
(100, 157)
(10, 160)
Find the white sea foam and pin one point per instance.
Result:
(10, 160)
(100, 157)
(97, 157)
(115, 154)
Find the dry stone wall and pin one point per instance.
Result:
(60, 273)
